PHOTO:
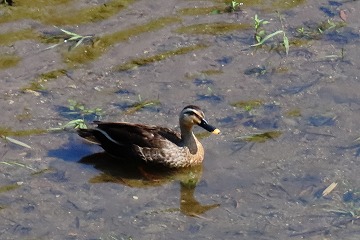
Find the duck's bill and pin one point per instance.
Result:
(208, 127)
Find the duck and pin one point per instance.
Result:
(153, 144)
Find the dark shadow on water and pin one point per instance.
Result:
(139, 175)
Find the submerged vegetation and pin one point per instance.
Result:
(8, 188)
(216, 28)
(260, 137)
(84, 54)
(8, 61)
(248, 105)
(9, 38)
(20, 133)
(38, 83)
(158, 57)
(68, 37)
(78, 108)
(261, 36)
(61, 12)
(140, 104)
(316, 31)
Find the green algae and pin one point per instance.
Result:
(13, 36)
(216, 28)
(25, 115)
(8, 61)
(197, 11)
(158, 57)
(84, 54)
(140, 105)
(9, 187)
(61, 12)
(212, 71)
(261, 137)
(269, 6)
(20, 133)
(38, 83)
(248, 105)
(293, 113)
(53, 74)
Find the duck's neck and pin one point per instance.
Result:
(188, 138)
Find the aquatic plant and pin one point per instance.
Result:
(70, 37)
(261, 36)
(76, 107)
(260, 137)
(233, 6)
(140, 104)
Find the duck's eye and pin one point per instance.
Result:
(194, 117)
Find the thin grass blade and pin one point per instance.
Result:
(17, 142)
(267, 38)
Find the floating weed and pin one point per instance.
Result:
(6, 132)
(261, 36)
(141, 104)
(212, 72)
(84, 54)
(73, 124)
(248, 105)
(38, 84)
(8, 61)
(233, 6)
(198, 11)
(260, 137)
(20, 133)
(158, 57)
(17, 142)
(17, 164)
(293, 113)
(79, 108)
(217, 28)
(9, 38)
(69, 37)
(316, 31)
(67, 14)
(9, 187)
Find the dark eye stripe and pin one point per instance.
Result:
(193, 113)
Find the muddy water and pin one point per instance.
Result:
(289, 122)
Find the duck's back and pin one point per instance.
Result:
(128, 140)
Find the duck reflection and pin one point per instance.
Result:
(140, 175)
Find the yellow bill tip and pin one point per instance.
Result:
(216, 131)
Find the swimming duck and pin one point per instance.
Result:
(153, 144)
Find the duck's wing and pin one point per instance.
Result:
(145, 142)
(125, 135)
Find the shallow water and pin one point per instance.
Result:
(264, 186)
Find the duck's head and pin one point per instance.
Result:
(192, 115)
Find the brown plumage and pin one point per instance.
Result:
(153, 144)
